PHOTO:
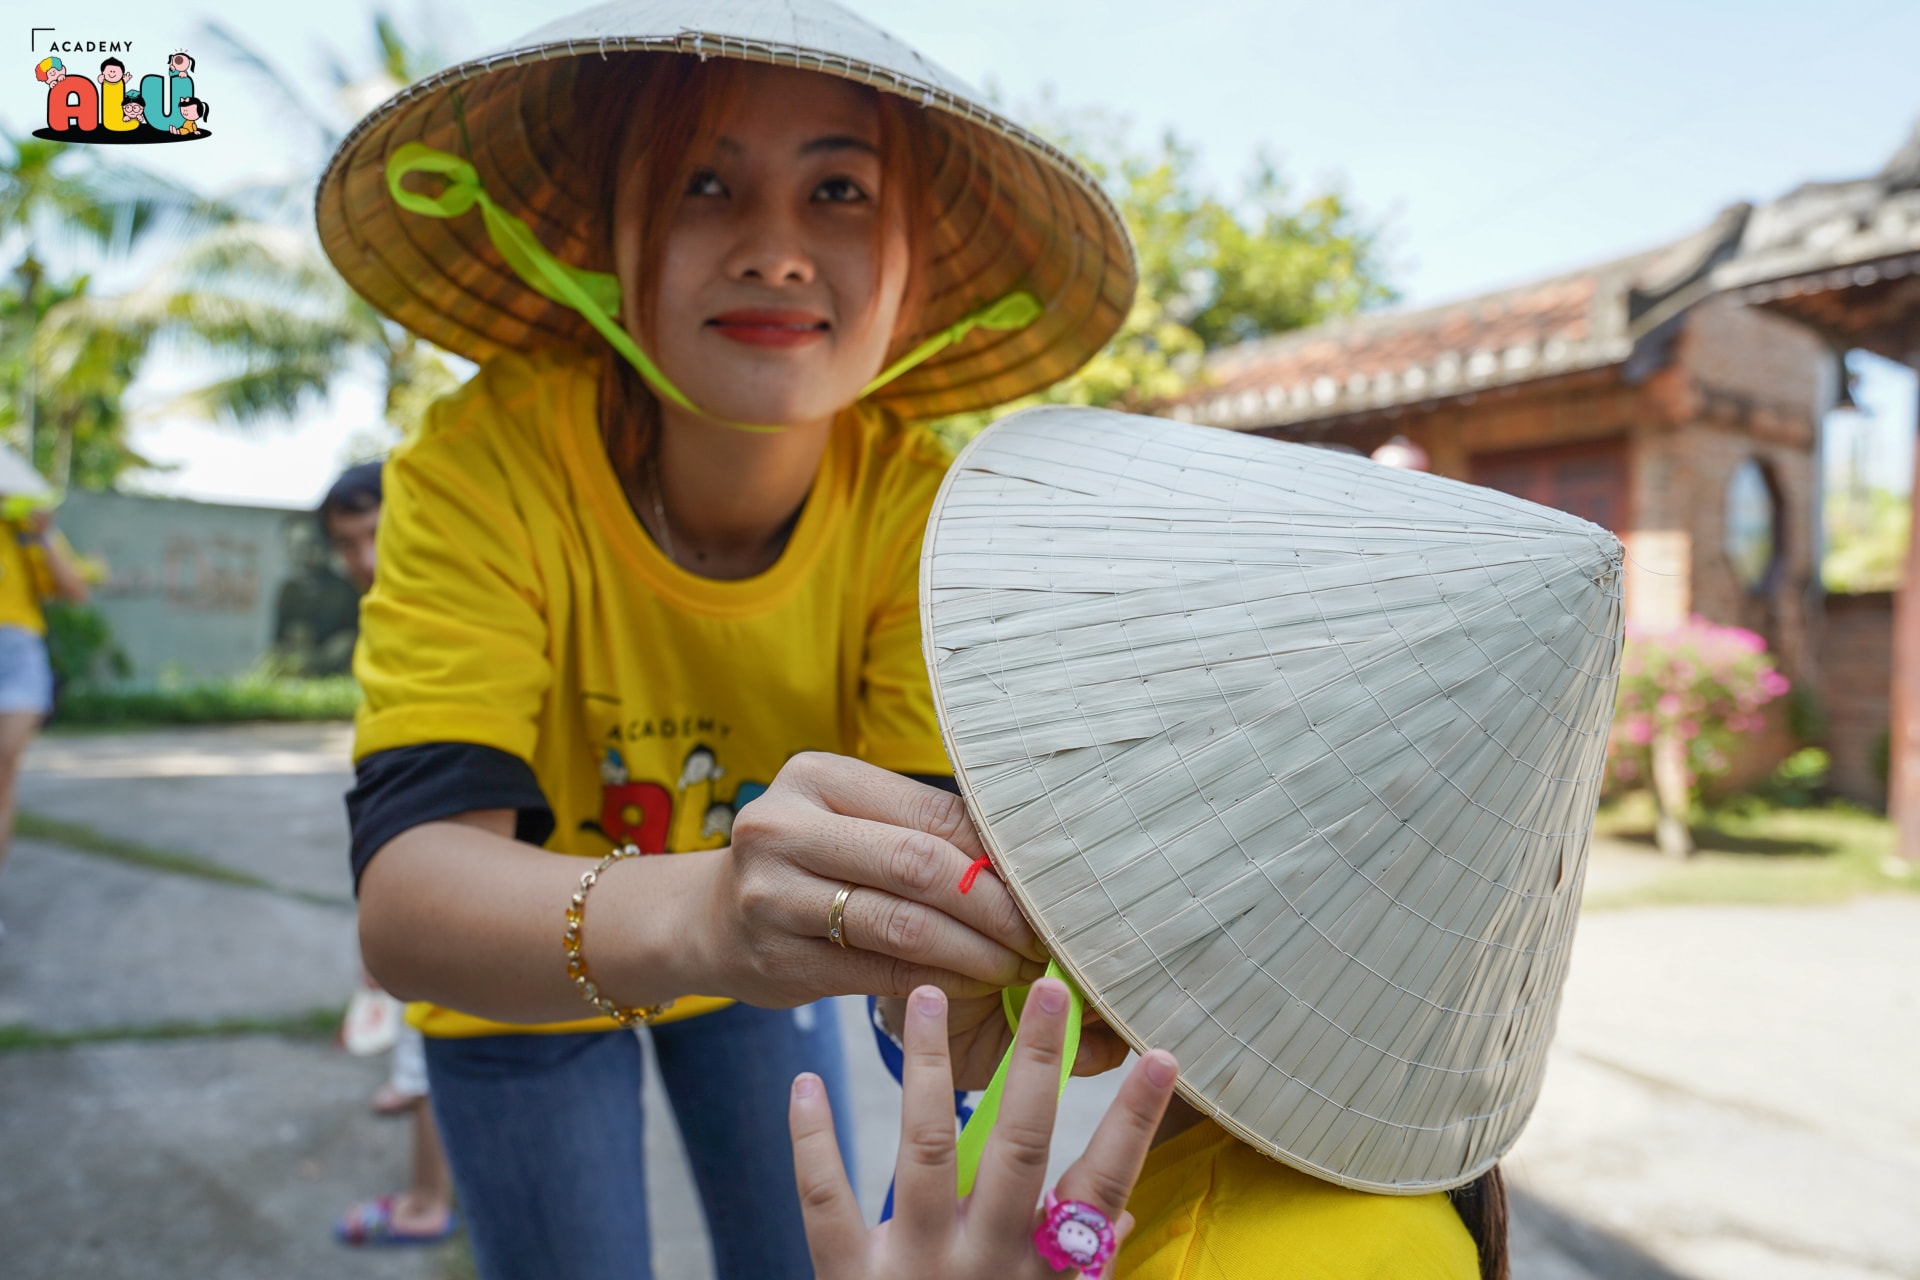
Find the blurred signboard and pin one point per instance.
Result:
(203, 590)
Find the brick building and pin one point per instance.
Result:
(1650, 394)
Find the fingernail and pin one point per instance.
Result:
(1161, 1068)
(1051, 995)
(928, 1002)
(805, 1085)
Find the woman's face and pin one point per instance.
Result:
(778, 288)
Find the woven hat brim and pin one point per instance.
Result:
(1320, 836)
(1013, 210)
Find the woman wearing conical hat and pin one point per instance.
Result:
(713, 262)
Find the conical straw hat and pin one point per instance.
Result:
(1292, 760)
(1013, 211)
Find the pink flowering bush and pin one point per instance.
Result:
(1687, 694)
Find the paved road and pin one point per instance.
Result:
(1726, 1098)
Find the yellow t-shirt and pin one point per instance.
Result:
(1209, 1207)
(25, 579)
(520, 605)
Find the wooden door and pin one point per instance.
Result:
(1588, 479)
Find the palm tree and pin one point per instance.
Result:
(54, 198)
(254, 295)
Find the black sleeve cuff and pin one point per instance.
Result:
(944, 781)
(397, 790)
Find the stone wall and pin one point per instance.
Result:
(199, 590)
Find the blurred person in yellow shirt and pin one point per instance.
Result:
(36, 564)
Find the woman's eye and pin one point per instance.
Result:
(839, 191)
(705, 182)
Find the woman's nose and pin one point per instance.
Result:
(770, 248)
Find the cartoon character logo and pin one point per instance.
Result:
(687, 808)
(639, 813)
(162, 108)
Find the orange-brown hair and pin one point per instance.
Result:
(640, 118)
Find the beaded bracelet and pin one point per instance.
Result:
(577, 964)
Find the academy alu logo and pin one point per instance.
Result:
(93, 96)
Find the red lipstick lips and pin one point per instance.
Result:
(770, 326)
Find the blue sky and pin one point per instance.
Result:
(1496, 140)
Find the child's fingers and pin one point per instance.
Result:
(1014, 1165)
(1104, 1174)
(924, 1176)
(836, 1233)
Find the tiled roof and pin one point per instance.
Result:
(1548, 327)
(1863, 230)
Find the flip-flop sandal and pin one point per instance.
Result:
(371, 1223)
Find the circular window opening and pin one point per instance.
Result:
(1753, 525)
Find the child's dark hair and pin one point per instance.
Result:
(112, 62)
(1482, 1206)
(356, 492)
(198, 102)
(134, 97)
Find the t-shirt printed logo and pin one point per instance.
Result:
(693, 809)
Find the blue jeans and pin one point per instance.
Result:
(544, 1136)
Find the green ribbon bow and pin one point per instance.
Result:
(596, 294)
(973, 1138)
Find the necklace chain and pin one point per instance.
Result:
(660, 506)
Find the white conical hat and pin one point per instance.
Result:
(1292, 760)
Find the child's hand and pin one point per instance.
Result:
(989, 1235)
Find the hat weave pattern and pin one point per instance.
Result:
(1011, 210)
(1292, 760)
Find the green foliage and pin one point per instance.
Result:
(259, 695)
(1213, 272)
(1755, 853)
(1701, 683)
(81, 647)
(1798, 782)
(64, 408)
(1866, 541)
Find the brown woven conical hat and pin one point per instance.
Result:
(1013, 210)
(1291, 758)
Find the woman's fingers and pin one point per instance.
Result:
(924, 1169)
(881, 829)
(836, 1234)
(1104, 1174)
(861, 790)
(874, 920)
(1101, 1049)
(1014, 1165)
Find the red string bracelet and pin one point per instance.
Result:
(973, 873)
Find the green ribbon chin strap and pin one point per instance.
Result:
(596, 294)
(973, 1138)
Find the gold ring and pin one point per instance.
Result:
(836, 926)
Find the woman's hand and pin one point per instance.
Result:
(978, 1036)
(827, 822)
(989, 1235)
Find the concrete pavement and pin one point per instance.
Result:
(1726, 1099)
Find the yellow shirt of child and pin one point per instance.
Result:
(25, 579)
(1209, 1207)
(520, 605)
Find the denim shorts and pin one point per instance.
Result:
(26, 678)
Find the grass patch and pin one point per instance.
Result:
(310, 1025)
(1761, 855)
(256, 696)
(80, 838)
